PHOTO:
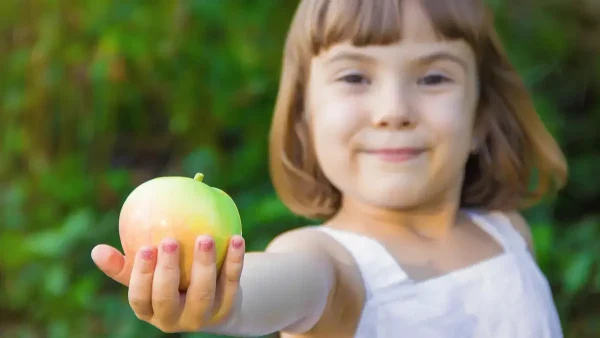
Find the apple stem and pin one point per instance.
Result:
(199, 177)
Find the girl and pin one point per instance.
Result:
(404, 126)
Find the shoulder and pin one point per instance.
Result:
(303, 239)
(520, 224)
(311, 240)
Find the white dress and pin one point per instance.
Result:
(504, 297)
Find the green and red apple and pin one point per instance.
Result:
(181, 208)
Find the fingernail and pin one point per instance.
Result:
(170, 247)
(148, 254)
(206, 244)
(237, 242)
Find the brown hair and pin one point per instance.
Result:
(515, 152)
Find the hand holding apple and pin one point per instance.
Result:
(180, 208)
(183, 253)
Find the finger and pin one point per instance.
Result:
(140, 286)
(229, 279)
(165, 291)
(201, 292)
(110, 261)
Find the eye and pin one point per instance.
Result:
(354, 78)
(433, 79)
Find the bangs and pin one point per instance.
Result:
(379, 22)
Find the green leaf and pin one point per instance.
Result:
(202, 161)
(53, 243)
(58, 329)
(56, 280)
(47, 243)
(13, 243)
(577, 273)
(543, 238)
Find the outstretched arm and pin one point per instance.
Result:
(283, 289)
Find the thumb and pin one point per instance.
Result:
(110, 261)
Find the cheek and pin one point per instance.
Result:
(450, 120)
(335, 121)
(333, 125)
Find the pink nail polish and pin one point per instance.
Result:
(207, 244)
(148, 254)
(237, 243)
(170, 247)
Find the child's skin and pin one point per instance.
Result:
(392, 128)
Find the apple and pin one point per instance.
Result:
(181, 208)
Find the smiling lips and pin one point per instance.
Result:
(396, 154)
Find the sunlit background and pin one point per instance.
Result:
(99, 96)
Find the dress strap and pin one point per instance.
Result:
(377, 266)
(499, 226)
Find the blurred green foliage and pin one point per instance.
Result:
(98, 96)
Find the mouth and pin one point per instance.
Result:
(396, 154)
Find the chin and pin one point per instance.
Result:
(396, 196)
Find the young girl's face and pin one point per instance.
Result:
(392, 126)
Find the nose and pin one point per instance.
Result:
(393, 109)
(394, 121)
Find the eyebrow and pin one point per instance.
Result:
(351, 57)
(429, 58)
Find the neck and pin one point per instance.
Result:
(431, 222)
